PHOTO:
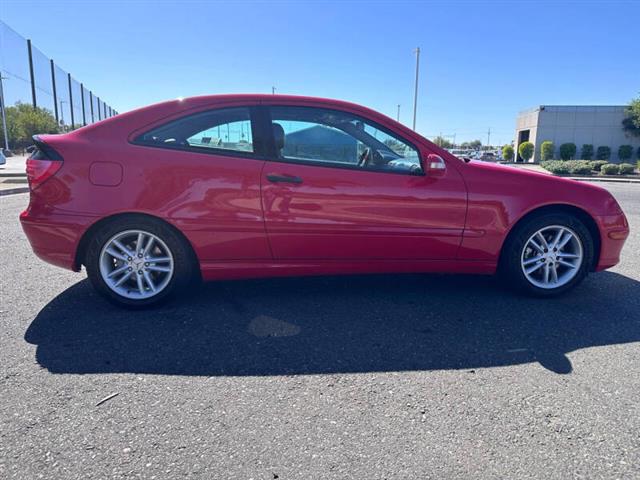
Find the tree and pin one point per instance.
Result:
(625, 152)
(443, 142)
(546, 150)
(567, 151)
(526, 150)
(631, 122)
(24, 121)
(603, 153)
(587, 151)
(507, 152)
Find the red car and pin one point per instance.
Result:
(239, 186)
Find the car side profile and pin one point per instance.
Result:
(241, 186)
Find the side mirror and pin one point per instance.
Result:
(435, 165)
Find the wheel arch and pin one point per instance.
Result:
(577, 212)
(81, 250)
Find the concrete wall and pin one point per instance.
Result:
(596, 125)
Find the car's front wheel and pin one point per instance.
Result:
(548, 254)
(137, 261)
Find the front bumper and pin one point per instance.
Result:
(614, 230)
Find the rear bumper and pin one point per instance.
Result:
(614, 230)
(53, 237)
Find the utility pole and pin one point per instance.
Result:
(415, 94)
(488, 137)
(398, 117)
(273, 90)
(4, 116)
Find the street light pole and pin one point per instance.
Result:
(62, 102)
(415, 94)
(4, 116)
(398, 117)
(273, 90)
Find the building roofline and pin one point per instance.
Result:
(563, 107)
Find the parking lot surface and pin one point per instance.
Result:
(389, 376)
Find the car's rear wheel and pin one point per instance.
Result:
(137, 261)
(548, 254)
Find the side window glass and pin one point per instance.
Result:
(224, 129)
(333, 138)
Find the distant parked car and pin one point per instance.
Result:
(487, 157)
(238, 186)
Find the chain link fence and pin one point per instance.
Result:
(29, 77)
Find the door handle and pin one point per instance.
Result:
(275, 178)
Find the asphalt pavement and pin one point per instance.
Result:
(379, 377)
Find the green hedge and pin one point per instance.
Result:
(610, 169)
(603, 153)
(526, 150)
(625, 152)
(626, 169)
(546, 150)
(556, 167)
(567, 151)
(587, 151)
(574, 167)
(596, 165)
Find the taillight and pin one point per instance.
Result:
(39, 171)
(43, 163)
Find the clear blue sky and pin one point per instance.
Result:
(481, 62)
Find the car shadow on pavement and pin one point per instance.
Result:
(335, 325)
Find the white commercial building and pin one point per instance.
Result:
(594, 125)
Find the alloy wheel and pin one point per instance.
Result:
(552, 257)
(136, 264)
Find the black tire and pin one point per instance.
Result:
(185, 266)
(510, 262)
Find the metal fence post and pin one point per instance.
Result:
(91, 104)
(32, 75)
(84, 115)
(70, 101)
(55, 94)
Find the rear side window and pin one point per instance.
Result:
(224, 129)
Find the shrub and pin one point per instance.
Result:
(526, 150)
(610, 169)
(507, 152)
(567, 151)
(587, 151)
(597, 164)
(625, 152)
(626, 169)
(546, 151)
(603, 153)
(579, 167)
(556, 167)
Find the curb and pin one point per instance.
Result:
(12, 174)
(602, 179)
(13, 191)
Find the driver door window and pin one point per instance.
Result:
(338, 139)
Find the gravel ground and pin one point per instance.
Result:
(398, 376)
